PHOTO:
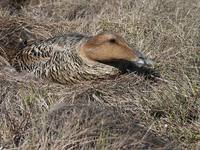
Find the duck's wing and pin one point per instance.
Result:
(48, 52)
(36, 55)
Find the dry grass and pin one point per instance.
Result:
(128, 112)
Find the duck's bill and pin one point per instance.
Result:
(144, 62)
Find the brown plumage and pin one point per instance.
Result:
(75, 57)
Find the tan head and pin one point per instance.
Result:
(106, 47)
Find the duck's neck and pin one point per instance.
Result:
(71, 68)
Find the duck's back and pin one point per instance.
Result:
(49, 55)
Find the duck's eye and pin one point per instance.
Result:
(112, 40)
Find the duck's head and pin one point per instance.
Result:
(111, 49)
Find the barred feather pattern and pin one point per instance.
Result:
(57, 59)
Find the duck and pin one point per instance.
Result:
(76, 57)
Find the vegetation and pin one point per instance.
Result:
(127, 112)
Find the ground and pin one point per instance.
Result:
(126, 112)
